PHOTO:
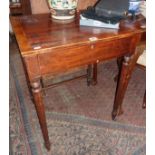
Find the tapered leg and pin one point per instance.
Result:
(120, 90)
(127, 67)
(92, 74)
(89, 74)
(37, 94)
(119, 63)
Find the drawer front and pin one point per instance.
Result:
(63, 59)
(109, 50)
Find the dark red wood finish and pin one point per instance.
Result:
(49, 47)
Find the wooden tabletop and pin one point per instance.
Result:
(37, 32)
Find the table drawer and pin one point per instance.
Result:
(63, 59)
(111, 49)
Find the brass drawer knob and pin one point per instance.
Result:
(92, 47)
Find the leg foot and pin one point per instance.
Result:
(116, 78)
(117, 113)
(144, 101)
(48, 146)
(144, 105)
(114, 116)
(120, 112)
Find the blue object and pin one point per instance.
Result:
(134, 6)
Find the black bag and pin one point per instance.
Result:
(108, 11)
(112, 8)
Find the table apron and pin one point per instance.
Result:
(63, 59)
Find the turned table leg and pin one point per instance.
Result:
(37, 94)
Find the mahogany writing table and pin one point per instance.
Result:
(49, 47)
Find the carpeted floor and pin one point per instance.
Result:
(78, 117)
